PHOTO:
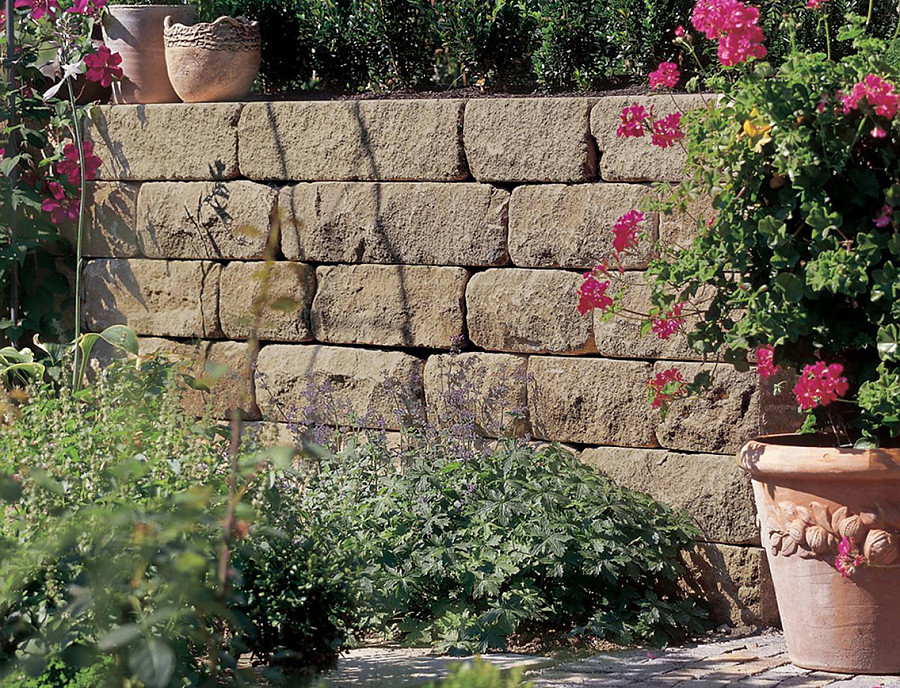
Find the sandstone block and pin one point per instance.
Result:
(205, 219)
(735, 583)
(344, 382)
(620, 337)
(284, 317)
(488, 388)
(165, 141)
(411, 140)
(396, 305)
(712, 488)
(230, 367)
(396, 223)
(636, 159)
(153, 297)
(527, 311)
(680, 228)
(726, 416)
(778, 410)
(110, 221)
(530, 140)
(556, 225)
(591, 401)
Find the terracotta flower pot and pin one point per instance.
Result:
(136, 33)
(213, 62)
(809, 496)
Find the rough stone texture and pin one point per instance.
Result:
(530, 140)
(392, 305)
(153, 297)
(110, 219)
(166, 141)
(778, 411)
(527, 311)
(556, 225)
(679, 229)
(401, 222)
(355, 376)
(285, 315)
(721, 420)
(205, 219)
(620, 337)
(591, 401)
(369, 140)
(492, 386)
(712, 488)
(233, 386)
(736, 583)
(636, 159)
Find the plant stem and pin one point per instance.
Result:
(827, 37)
(869, 13)
(79, 236)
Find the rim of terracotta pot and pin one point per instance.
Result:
(816, 456)
(134, 8)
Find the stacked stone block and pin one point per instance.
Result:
(400, 230)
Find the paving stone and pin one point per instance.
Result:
(415, 223)
(283, 317)
(209, 220)
(153, 297)
(110, 219)
(570, 226)
(366, 140)
(530, 139)
(590, 401)
(389, 305)
(527, 311)
(165, 141)
(712, 488)
(813, 679)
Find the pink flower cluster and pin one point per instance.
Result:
(592, 293)
(632, 121)
(89, 8)
(815, 4)
(765, 361)
(734, 25)
(883, 219)
(666, 326)
(103, 67)
(666, 74)
(635, 119)
(60, 207)
(820, 384)
(58, 204)
(877, 92)
(626, 229)
(666, 386)
(39, 8)
(667, 131)
(848, 558)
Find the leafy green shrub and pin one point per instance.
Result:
(481, 674)
(61, 675)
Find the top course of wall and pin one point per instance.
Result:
(502, 140)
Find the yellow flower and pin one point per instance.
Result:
(757, 129)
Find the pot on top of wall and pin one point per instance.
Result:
(135, 31)
(215, 61)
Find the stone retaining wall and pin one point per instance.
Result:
(407, 227)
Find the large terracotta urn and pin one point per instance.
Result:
(136, 33)
(810, 497)
(213, 62)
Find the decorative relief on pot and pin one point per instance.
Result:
(816, 531)
(213, 62)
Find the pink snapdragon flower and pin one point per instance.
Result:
(666, 74)
(69, 165)
(626, 229)
(820, 384)
(39, 8)
(59, 205)
(593, 291)
(666, 386)
(668, 325)
(848, 559)
(877, 92)
(103, 66)
(667, 131)
(765, 361)
(734, 25)
(633, 118)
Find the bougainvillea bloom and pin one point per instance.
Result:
(667, 131)
(883, 219)
(666, 74)
(626, 229)
(593, 292)
(633, 118)
(666, 386)
(877, 92)
(820, 384)
(734, 25)
(666, 326)
(848, 559)
(765, 361)
(59, 205)
(39, 8)
(103, 66)
(69, 165)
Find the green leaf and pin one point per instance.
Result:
(153, 662)
(120, 636)
(888, 343)
(790, 286)
(121, 337)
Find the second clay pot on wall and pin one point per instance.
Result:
(213, 62)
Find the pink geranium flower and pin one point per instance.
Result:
(679, 31)
(593, 291)
(59, 205)
(626, 229)
(875, 91)
(666, 74)
(668, 325)
(103, 66)
(820, 384)
(69, 165)
(883, 219)
(667, 131)
(765, 361)
(633, 118)
(666, 386)
(734, 25)
(848, 559)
